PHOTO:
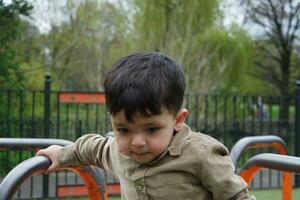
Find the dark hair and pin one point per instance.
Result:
(142, 83)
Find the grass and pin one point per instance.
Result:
(273, 194)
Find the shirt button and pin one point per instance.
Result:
(139, 187)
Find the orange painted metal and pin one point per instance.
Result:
(287, 186)
(249, 174)
(278, 146)
(71, 191)
(90, 184)
(81, 97)
(113, 189)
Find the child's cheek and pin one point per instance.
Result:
(123, 146)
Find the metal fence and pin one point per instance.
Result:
(39, 114)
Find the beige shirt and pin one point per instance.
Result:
(195, 166)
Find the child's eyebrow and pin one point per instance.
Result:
(153, 123)
(120, 124)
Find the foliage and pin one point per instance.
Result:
(11, 28)
(280, 23)
(187, 30)
(80, 50)
(94, 34)
(221, 62)
(276, 55)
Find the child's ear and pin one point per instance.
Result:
(180, 117)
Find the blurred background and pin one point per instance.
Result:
(249, 47)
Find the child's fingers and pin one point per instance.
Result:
(40, 152)
(52, 168)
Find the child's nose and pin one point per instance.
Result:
(138, 140)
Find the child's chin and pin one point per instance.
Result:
(141, 160)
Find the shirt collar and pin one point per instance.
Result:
(178, 141)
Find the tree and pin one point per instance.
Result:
(81, 49)
(278, 21)
(212, 57)
(11, 28)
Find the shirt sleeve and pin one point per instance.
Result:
(218, 177)
(90, 149)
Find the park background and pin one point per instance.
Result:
(241, 65)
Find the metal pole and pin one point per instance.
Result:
(297, 128)
(47, 99)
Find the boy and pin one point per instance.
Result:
(153, 154)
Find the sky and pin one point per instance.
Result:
(233, 13)
(45, 13)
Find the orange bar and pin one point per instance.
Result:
(286, 186)
(90, 184)
(113, 189)
(249, 174)
(71, 191)
(82, 97)
(278, 146)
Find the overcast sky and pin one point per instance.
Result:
(233, 13)
(45, 13)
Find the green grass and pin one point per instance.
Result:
(273, 194)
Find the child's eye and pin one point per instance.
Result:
(123, 130)
(152, 130)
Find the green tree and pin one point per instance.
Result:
(81, 49)
(189, 31)
(279, 23)
(11, 28)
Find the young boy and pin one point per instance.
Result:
(154, 154)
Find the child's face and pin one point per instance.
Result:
(145, 138)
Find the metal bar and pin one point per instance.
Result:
(273, 161)
(93, 178)
(216, 113)
(47, 113)
(97, 118)
(77, 131)
(253, 116)
(196, 104)
(257, 142)
(7, 116)
(205, 113)
(87, 116)
(67, 120)
(47, 108)
(57, 116)
(33, 124)
(30, 143)
(244, 113)
(234, 115)
(297, 128)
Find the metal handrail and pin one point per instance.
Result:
(274, 161)
(94, 179)
(30, 143)
(284, 163)
(257, 142)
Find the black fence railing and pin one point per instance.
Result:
(41, 114)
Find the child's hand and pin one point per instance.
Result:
(52, 153)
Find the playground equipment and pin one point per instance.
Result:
(285, 163)
(274, 161)
(93, 178)
(255, 142)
